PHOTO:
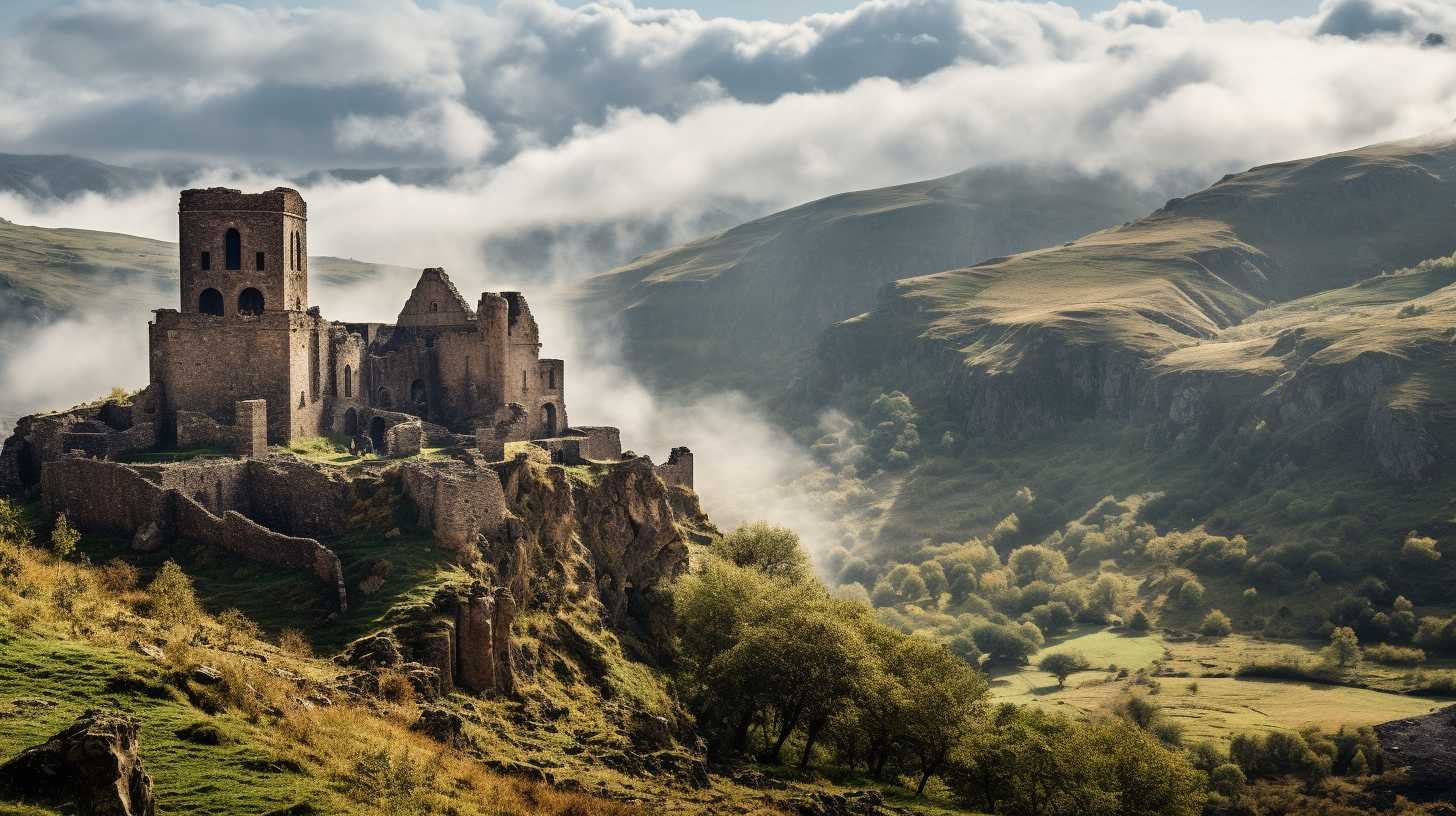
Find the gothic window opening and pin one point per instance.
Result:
(250, 302)
(315, 372)
(233, 250)
(348, 383)
(210, 302)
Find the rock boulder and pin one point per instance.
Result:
(94, 763)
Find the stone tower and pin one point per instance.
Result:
(244, 331)
(243, 253)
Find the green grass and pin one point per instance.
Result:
(188, 778)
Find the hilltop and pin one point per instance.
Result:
(772, 284)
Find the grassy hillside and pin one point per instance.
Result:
(1071, 332)
(739, 308)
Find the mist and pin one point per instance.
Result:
(606, 155)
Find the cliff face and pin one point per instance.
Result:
(596, 545)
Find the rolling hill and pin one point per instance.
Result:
(1104, 325)
(62, 176)
(740, 308)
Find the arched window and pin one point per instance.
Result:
(417, 392)
(233, 250)
(210, 302)
(434, 307)
(292, 249)
(348, 382)
(250, 302)
(297, 250)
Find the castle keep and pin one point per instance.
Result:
(244, 331)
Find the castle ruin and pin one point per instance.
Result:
(245, 365)
(245, 331)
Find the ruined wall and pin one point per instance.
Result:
(456, 502)
(435, 302)
(604, 443)
(309, 341)
(136, 503)
(678, 469)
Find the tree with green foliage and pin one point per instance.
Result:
(1028, 763)
(1063, 665)
(174, 601)
(15, 528)
(1004, 643)
(64, 537)
(1420, 550)
(1035, 562)
(1344, 649)
(943, 698)
(767, 548)
(894, 439)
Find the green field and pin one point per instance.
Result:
(1220, 705)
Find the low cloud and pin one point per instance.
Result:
(584, 136)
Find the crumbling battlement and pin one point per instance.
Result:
(678, 469)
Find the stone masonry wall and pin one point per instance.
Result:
(678, 469)
(135, 503)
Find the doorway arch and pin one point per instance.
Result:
(376, 434)
(351, 423)
(550, 419)
(210, 302)
(250, 302)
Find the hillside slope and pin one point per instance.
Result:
(62, 176)
(1080, 331)
(740, 308)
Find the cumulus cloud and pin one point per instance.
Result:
(1357, 19)
(585, 135)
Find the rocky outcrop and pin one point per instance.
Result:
(607, 545)
(1423, 751)
(94, 764)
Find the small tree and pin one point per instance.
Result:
(1344, 649)
(174, 602)
(1140, 622)
(64, 537)
(1217, 624)
(14, 527)
(1062, 665)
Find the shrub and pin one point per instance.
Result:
(1217, 624)
(236, 626)
(174, 601)
(64, 537)
(1004, 643)
(1395, 655)
(1228, 779)
(396, 688)
(117, 576)
(295, 643)
(1190, 595)
(1140, 622)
